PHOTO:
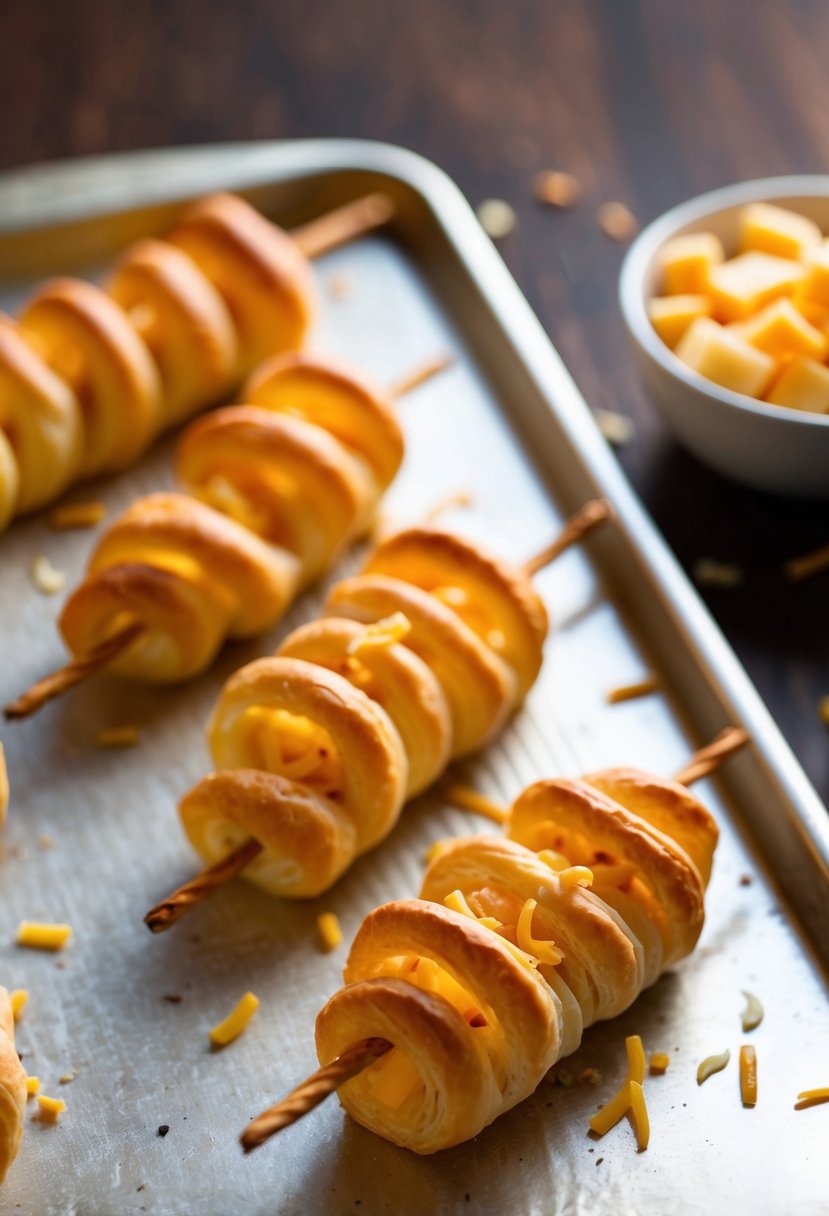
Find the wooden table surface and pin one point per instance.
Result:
(644, 101)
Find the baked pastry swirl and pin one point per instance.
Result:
(483, 983)
(274, 490)
(421, 658)
(12, 1088)
(89, 376)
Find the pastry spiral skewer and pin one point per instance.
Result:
(89, 376)
(275, 488)
(420, 659)
(12, 1088)
(514, 948)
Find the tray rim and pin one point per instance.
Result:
(39, 196)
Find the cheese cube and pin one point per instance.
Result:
(771, 229)
(781, 331)
(687, 262)
(742, 285)
(815, 313)
(725, 357)
(671, 315)
(815, 284)
(803, 384)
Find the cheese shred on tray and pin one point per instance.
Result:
(43, 936)
(329, 930)
(236, 1022)
(629, 1098)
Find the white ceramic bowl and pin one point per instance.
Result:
(765, 446)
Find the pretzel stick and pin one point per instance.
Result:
(313, 1091)
(418, 375)
(171, 909)
(709, 758)
(343, 224)
(576, 527)
(58, 682)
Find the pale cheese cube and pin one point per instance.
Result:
(671, 315)
(742, 285)
(803, 384)
(782, 332)
(725, 357)
(770, 229)
(687, 262)
(815, 284)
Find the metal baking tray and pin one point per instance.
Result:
(507, 424)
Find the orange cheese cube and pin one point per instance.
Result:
(803, 384)
(782, 332)
(742, 285)
(815, 284)
(816, 314)
(725, 357)
(671, 315)
(776, 230)
(687, 262)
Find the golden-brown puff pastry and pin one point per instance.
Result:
(276, 491)
(481, 997)
(361, 710)
(91, 376)
(12, 1088)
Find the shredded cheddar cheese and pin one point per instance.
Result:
(236, 1022)
(381, 633)
(544, 951)
(329, 930)
(659, 1062)
(712, 1064)
(77, 515)
(117, 736)
(753, 1012)
(32, 1086)
(812, 1097)
(556, 861)
(639, 1110)
(629, 1098)
(39, 936)
(748, 1075)
(576, 876)
(628, 692)
(50, 1109)
(18, 1000)
(457, 902)
(467, 799)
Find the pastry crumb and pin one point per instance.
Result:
(498, 218)
(618, 429)
(710, 573)
(556, 188)
(617, 221)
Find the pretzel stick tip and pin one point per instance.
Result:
(709, 758)
(313, 1091)
(343, 224)
(60, 681)
(165, 914)
(592, 513)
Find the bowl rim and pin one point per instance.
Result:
(660, 230)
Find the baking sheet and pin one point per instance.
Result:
(99, 1009)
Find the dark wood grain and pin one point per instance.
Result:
(644, 101)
